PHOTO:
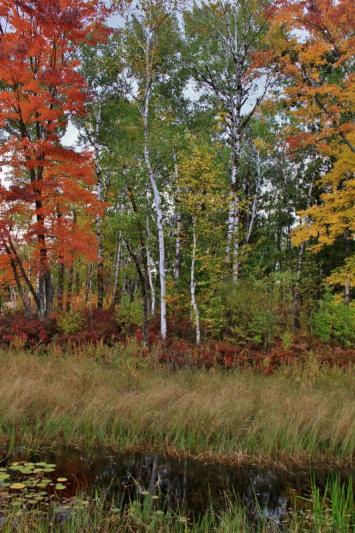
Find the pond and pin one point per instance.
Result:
(31, 477)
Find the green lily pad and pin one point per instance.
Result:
(60, 486)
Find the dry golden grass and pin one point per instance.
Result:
(293, 413)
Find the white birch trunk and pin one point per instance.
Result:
(194, 306)
(156, 193)
(232, 248)
(235, 266)
(150, 273)
(231, 215)
(178, 225)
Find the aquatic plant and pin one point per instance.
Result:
(26, 485)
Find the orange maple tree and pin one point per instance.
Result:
(316, 44)
(40, 88)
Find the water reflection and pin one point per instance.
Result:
(186, 485)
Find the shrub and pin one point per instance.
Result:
(335, 321)
(287, 339)
(129, 315)
(98, 325)
(20, 332)
(251, 313)
(70, 322)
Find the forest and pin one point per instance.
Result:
(177, 216)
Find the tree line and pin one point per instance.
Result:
(215, 154)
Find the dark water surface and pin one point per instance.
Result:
(186, 485)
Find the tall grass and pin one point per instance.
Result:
(331, 510)
(304, 413)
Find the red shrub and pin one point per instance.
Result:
(30, 332)
(177, 353)
(100, 326)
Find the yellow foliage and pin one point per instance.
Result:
(345, 275)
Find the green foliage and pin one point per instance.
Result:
(70, 322)
(287, 339)
(129, 314)
(250, 312)
(335, 321)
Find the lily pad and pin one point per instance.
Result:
(17, 486)
(60, 486)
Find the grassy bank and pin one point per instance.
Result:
(331, 512)
(295, 413)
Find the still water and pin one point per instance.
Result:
(186, 485)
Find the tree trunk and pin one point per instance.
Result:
(232, 248)
(236, 258)
(145, 258)
(88, 288)
(23, 297)
(156, 194)
(116, 293)
(231, 215)
(194, 306)
(256, 198)
(347, 241)
(70, 288)
(45, 287)
(60, 289)
(100, 269)
(177, 261)
(297, 290)
(150, 265)
(11, 250)
(145, 291)
(98, 220)
(100, 246)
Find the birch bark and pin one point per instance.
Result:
(194, 306)
(154, 186)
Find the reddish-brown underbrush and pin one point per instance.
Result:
(102, 327)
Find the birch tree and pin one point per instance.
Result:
(150, 50)
(226, 56)
(201, 196)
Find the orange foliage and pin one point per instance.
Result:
(41, 89)
(316, 46)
